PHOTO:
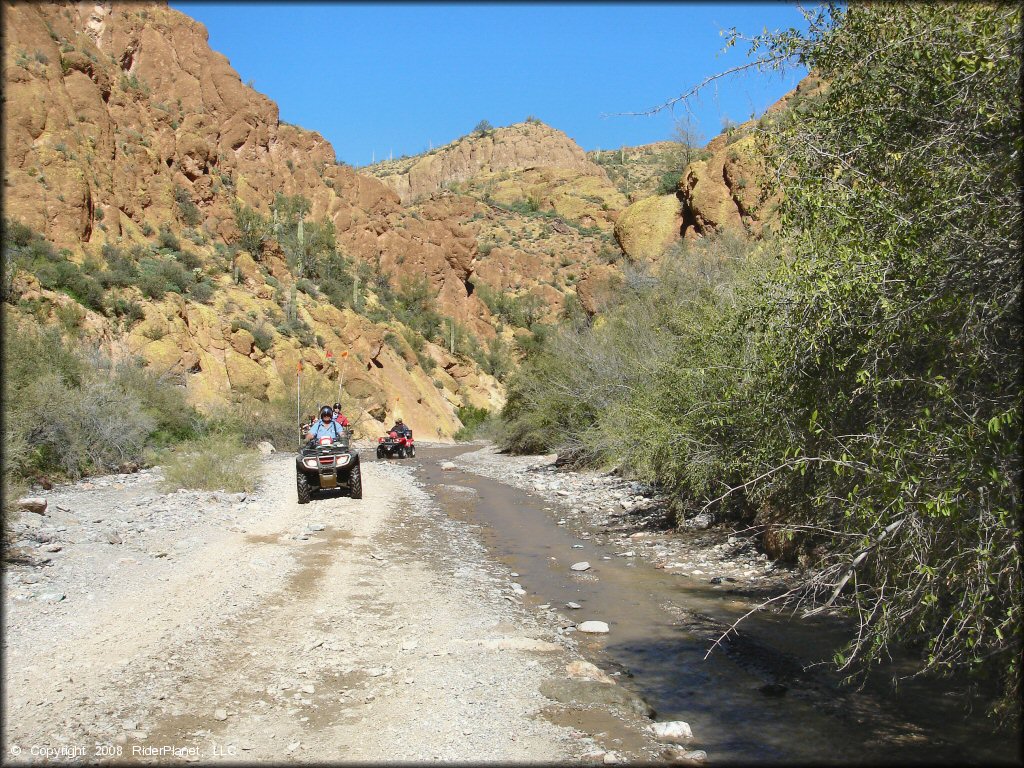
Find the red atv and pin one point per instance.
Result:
(396, 445)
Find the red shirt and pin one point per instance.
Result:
(340, 418)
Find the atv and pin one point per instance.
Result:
(395, 445)
(327, 464)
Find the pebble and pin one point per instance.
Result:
(574, 606)
(50, 597)
(593, 627)
(220, 714)
(581, 566)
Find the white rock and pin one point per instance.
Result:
(447, 466)
(697, 756)
(35, 504)
(573, 605)
(593, 627)
(50, 597)
(581, 566)
(220, 714)
(676, 731)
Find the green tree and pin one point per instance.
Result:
(890, 357)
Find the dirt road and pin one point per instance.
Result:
(202, 627)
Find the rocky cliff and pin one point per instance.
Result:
(122, 122)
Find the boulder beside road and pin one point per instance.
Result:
(35, 504)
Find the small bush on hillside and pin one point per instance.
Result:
(167, 239)
(187, 210)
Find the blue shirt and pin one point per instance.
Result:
(331, 429)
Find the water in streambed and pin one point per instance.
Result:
(753, 700)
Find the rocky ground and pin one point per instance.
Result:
(634, 516)
(196, 626)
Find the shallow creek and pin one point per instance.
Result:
(760, 697)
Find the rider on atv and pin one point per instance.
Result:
(400, 429)
(326, 427)
(339, 416)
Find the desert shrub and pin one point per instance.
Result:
(213, 462)
(189, 260)
(121, 270)
(254, 230)
(669, 182)
(167, 239)
(70, 317)
(187, 210)
(519, 311)
(160, 398)
(127, 310)
(71, 413)
(476, 422)
(24, 249)
(202, 291)
(263, 334)
(152, 285)
(98, 433)
(415, 305)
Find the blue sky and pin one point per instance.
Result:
(392, 79)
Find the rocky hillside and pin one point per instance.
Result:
(485, 152)
(543, 215)
(131, 145)
(720, 188)
(645, 170)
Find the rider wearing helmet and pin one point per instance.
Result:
(339, 416)
(326, 426)
(400, 429)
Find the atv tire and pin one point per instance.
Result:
(401, 452)
(380, 453)
(303, 487)
(412, 451)
(355, 483)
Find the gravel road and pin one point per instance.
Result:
(199, 626)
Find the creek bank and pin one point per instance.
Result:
(632, 517)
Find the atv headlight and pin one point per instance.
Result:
(343, 458)
(311, 463)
